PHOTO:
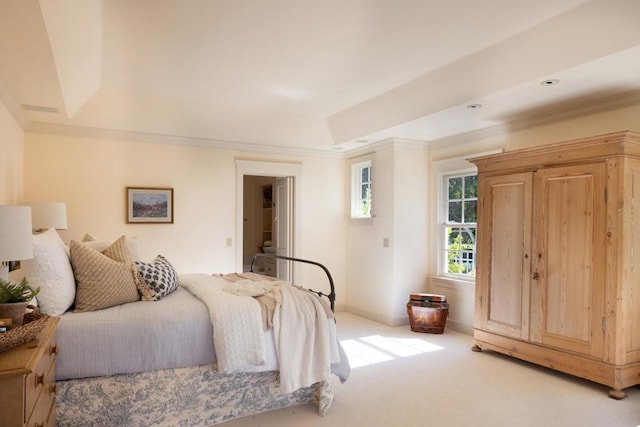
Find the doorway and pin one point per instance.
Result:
(258, 227)
(259, 217)
(267, 219)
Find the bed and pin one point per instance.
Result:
(152, 362)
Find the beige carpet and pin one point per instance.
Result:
(436, 380)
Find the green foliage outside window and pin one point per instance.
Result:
(365, 203)
(461, 251)
(462, 200)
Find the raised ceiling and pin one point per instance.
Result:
(310, 74)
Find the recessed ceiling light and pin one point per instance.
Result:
(474, 106)
(549, 82)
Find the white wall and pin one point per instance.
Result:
(11, 156)
(379, 278)
(91, 174)
(369, 264)
(410, 248)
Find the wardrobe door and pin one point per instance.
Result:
(504, 240)
(567, 298)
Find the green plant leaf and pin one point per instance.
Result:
(16, 292)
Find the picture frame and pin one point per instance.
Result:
(13, 265)
(149, 205)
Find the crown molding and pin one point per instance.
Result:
(468, 137)
(576, 108)
(384, 143)
(562, 111)
(90, 132)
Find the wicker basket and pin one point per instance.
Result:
(34, 322)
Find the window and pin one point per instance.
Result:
(361, 190)
(460, 224)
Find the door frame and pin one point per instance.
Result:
(278, 170)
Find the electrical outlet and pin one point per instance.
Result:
(229, 242)
(385, 242)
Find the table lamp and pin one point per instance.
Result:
(46, 215)
(16, 242)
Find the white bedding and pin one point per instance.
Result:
(232, 316)
(141, 336)
(135, 337)
(303, 338)
(145, 336)
(300, 328)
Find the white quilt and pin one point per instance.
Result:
(231, 317)
(306, 343)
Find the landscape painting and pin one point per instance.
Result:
(149, 205)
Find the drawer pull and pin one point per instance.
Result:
(38, 425)
(39, 379)
(53, 350)
(53, 389)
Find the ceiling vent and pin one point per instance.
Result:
(40, 108)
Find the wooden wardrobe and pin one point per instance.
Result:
(558, 257)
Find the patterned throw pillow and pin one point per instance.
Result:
(157, 279)
(103, 279)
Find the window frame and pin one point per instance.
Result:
(444, 224)
(355, 211)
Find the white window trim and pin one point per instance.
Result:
(442, 167)
(354, 206)
(442, 224)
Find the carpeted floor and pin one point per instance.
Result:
(402, 378)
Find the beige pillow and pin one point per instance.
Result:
(103, 279)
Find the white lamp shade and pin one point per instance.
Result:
(16, 241)
(46, 215)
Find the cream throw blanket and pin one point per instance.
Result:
(305, 339)
(302, 337)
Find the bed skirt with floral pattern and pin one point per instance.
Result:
(193, 396)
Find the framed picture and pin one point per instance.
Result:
(13, 265)
(149, 205)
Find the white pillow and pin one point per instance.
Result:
(50, 270)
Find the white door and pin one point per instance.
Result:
(284, 226)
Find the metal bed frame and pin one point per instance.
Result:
(331, 296)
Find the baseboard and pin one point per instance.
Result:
(369, 315)
(404, 321)
(459, 327)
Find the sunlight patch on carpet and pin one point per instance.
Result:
(377, 349)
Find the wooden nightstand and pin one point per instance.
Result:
(28, 381)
